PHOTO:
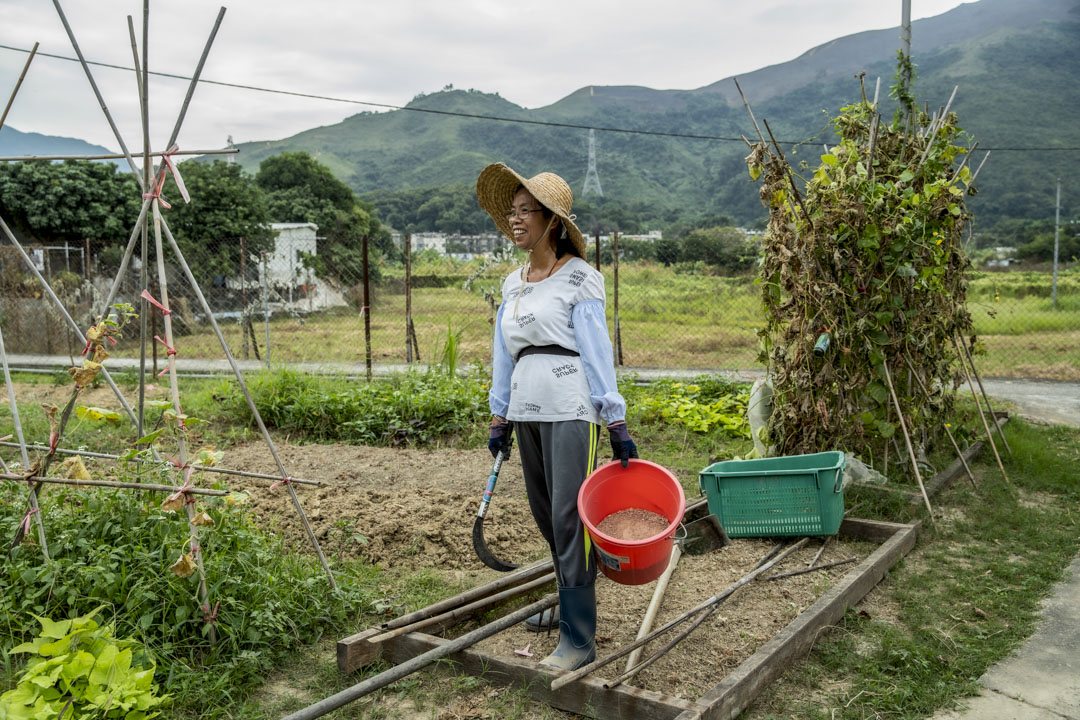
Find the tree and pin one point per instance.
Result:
(668, 251)
(724, 247)
(71, 201)
(226, 205)
(300, 189)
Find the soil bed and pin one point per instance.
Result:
(416, 509)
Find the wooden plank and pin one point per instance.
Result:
(872, 530)
(586, 697)
(736, 691)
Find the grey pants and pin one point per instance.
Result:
(556, 457)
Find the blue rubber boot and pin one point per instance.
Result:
(577, 629)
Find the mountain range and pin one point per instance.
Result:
(1016, 66)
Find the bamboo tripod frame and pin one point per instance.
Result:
(150, 208)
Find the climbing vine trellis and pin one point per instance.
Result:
(862, 279)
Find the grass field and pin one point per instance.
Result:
(667, 319)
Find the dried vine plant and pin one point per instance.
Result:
(869, 256)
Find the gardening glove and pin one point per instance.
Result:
(498, 437)
(622, 447)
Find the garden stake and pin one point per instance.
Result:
(465, 610)
(141, 77)
(976, 173)
(250, 400)
(421, 661)
(778, 548)
(18, 84)
(654, 604)
(196, 467)
(817, 557)
(978, 378)
(570, 677)
(159, 222)
(971, 385)
(74, 482)
(811, 569)
(907, 439)
(34, 509)
(959, 452)
(174, 389)
(937, 126)
(524, 574)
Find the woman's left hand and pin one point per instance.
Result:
(622, 447)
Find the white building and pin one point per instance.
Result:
(296, 285)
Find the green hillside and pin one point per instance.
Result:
(1017, 66)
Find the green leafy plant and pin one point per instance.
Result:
(77, 669)
(705, 404)
(867, 264)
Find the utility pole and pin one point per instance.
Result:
(1057, 226)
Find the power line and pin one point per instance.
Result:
(472, 116)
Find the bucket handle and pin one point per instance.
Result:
(686, 533)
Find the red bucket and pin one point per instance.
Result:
(644, 485)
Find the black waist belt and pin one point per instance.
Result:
(546, 350)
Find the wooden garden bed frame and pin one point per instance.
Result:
(589, 697)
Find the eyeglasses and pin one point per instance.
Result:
(523, 213)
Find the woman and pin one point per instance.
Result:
(553, 376)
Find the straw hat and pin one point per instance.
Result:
(497, 184)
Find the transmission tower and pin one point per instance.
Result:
(592, 178)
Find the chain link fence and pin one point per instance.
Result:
(276, 308)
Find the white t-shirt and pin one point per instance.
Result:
(548, 388)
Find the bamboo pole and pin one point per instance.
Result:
(963, 162)
(817, 557)
(421, 661)
(654, 604)
(144, 251)
(956, 446)
(35, 510)
(18, 84)
(196, 467)
(114, 156)
(933, 135)
(986, 426)
(787, 171)
(509, 580)
(174, 391)
(714, 600)
(982, 389)
(250, 400)
(465, 610)
(907, 438)
(74, 482)
(813, 568)
(976, 173)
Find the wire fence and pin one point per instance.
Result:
(275, 308)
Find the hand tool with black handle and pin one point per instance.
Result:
(482, 550)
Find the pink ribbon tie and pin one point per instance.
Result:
(208, 615)
(159, 182)
(24, 526)
(279, 483)
(169, 349)
(150, 299)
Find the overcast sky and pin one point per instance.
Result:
(532, 53)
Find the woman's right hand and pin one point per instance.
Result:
(498, 436)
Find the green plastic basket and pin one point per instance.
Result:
(776, 497)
